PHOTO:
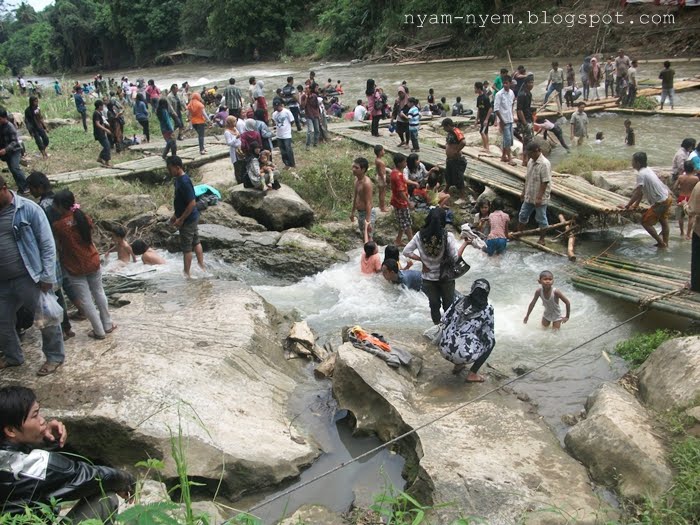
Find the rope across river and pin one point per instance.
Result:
(344, 464)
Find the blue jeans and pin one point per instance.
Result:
(106, 153)
(496, 246)
(413, 133)
(507, 135)
(540, 214)
(12, 160)
(14, 294)
(552, 88)
(287, 152)
(315, 125)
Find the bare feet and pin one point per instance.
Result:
(474, 378)
(661, 245)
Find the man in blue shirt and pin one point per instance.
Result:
(27, 268)
(411, 279)
(186, 216)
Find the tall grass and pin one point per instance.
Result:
(638, 348)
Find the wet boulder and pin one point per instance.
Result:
(224, 214)
(670, 377)
(275, 209)
(204, 359)
(493, 459)
(617, 443)
(623, 182)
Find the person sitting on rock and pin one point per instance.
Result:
(34, 477)
(148, 255)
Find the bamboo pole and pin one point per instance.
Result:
(571, 240)
(540, 247)
(537, 231)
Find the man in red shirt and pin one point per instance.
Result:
(399, 199)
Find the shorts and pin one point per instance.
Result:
(454, 172)
(189, 236)
(525, 133)
(681, 203)
(362, 217)
(507, 135)
(657, 212)
(403, 217)
(496, 246)
(540, 214)
(484, 127)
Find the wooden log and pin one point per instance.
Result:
(325, 369)
(572, 239)
(540, 247)
(538, 231)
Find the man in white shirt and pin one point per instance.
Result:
(360, 112)
(283, 121)
(650, 187)
(503, 107)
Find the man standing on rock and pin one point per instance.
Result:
(456, 164)
(186, 216)
(27, 269)
(33, 477)
(233, 98)
(650, 187)
(363, 198)
(535, 194)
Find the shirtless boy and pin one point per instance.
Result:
(550, 299)
(683, 188)
(124, 252)
(380, 167)
(362, 197)
(148, 255)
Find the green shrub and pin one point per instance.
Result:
(583, 165)
(644, 103)
(636, 349)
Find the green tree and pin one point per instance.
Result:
(44, 57)
(15, 52)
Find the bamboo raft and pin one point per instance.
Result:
(677, 112)
(648, 285)
(135, 168)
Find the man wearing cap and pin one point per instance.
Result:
(456, 164)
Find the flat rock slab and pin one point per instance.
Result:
(493, 459)
(617, 443)
(670, 377)
(204, 357)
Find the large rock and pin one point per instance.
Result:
(207, 358)
(143, 203)
(224, 215)
(670, 377)
(493, 459)
(624, 182)
(617, 443)
(288, 255)
(276, 209)
(313, 515)
(218, 174)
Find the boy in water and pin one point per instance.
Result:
(550, 299)
(458, 107)
(380, 167)
(629, 133)
(399, 199)
(683, 188)
(124, 252)
(148, 255)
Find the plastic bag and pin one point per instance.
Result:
(48, 312)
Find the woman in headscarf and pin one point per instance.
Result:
(198, 118)
(435, 247)
(468, 336)
(249, 136)
(594, 76)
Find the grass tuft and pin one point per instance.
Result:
(637, 349)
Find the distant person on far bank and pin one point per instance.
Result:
(666, 77)
(650, 187)
(186, 216)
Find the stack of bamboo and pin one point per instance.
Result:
(655, 286)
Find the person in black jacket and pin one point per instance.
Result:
(11, 151)
(30, 474)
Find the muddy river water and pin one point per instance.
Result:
(342, 296)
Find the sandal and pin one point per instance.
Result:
(48, 368)
(93, 335)
(114, 327)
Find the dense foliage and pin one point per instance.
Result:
(80, 34)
